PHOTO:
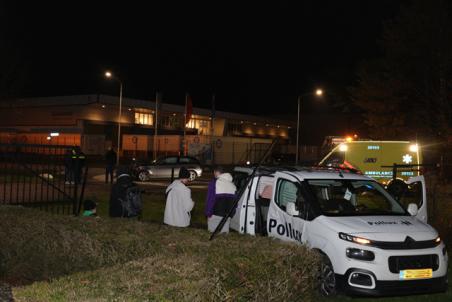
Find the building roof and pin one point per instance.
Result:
(76, 100)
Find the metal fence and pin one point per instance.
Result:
(47, 177)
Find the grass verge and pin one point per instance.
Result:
(76, 259)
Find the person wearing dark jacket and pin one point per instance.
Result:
(79, 163)
(110, 159)
(118, 192)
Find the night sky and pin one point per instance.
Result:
(255, 57)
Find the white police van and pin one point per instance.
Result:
(370, 244)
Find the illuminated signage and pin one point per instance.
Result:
(370, 160)
(379, 174)
(373, 147)
(407, 159)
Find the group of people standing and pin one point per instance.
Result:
(220, 199)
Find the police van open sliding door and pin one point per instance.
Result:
(285, 216)
(417, 193)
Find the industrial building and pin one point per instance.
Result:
(91, 121)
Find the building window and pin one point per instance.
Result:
(170, 122)
(203, 126)
(144, 118)
(235, 129)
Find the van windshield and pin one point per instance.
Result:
(343, 197)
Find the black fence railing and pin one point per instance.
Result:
(47, 177)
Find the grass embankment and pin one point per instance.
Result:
(168, 264)
(76, 259)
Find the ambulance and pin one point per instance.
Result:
(370, 244)
(377, 158)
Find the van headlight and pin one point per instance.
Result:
(360, 254)
(355, 239)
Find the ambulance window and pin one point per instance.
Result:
(288, 192)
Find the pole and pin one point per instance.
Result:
(212, 115)
(298, 130)
(185, 123)
(119, 123)
(156, 124)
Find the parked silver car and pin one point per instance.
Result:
(163, 168)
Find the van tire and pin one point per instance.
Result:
(327, 277)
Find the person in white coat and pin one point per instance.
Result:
(178, 201)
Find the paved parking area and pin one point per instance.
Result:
(97, 176)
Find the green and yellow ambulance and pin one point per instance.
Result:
(376, 158)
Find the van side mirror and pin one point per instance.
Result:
(291, 209)
(412, 209)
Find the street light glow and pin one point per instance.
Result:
(109, 75)
(319, 92)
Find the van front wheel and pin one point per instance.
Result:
(327, 278)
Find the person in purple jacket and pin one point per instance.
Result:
(220, 196)
(210, 200)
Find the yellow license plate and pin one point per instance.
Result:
(415, 274)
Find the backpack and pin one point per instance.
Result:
(132, 205)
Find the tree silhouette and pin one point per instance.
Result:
(406, 93)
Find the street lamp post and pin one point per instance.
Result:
(318, 93)
(109, 75)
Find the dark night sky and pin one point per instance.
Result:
(255, 57)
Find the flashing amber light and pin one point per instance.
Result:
(348, 139)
